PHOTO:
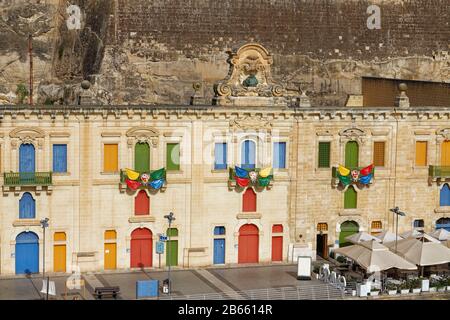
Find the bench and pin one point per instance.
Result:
(99, 292)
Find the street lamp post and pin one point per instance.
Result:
(44, 225)
(397, 212)
(170, 217)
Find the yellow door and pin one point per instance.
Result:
(59, 259)
(110, 255)
(445, 153)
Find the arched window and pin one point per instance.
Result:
(248, 154)
(142, 157)
(352, 154)
(142, 204)
(350, 198)
(445, 196)
(443, 223)
(27, 207)
(249, 201)
(26, 158)
(347, 229)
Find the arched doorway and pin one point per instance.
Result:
(444, 198)
(347, 229)
(27, 253)
(27, 158)
(443, 223)
(141, 248)
(248, 245)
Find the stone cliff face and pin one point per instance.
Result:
(138, 51)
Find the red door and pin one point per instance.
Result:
(141, 248)
(277, 248)
(248, 244)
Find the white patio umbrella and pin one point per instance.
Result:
(441, 234)
(412, 233)
(387, 236)
(373, 256)
(422, 252)
(360, 237)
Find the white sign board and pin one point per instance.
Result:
(304, 268)
(51, 287)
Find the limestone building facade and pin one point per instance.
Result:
(74, 165)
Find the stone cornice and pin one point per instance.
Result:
(183, 113)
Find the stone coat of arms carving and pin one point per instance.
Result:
(249, 82)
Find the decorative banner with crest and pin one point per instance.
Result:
(135, 180)
(354, 176)
(251, 177)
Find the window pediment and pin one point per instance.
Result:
(143, 134)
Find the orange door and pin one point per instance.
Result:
(59, 258)
(248, 246)
(277, 248)
(110, 256)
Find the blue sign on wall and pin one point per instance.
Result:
(159, 247)
(162, 237)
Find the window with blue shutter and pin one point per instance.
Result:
(220, 156)
(279, 155)
(248, 154)
(60, 158)
(27, 207)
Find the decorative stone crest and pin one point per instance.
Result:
(143, 134)
(249, 82)
(353, 134)
(31, 135)
(251, 123)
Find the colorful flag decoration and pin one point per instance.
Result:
(264, 173)
(253, 177)
(136, 180)
(242, 182)
(133, 185)
(157, 184)
(241, 173)
(132, 175)
(347, 176)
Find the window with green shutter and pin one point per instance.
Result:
(142, 157)
(351, 154)
(324, 154)
(350, 198)
(173, 156)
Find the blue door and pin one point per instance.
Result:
(26, 158)
(219, 251)
(27, 253)
(445, 196)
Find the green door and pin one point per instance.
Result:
(347, 229)
(172, 253)
(142, 157)
(350, 198)
(351, 154)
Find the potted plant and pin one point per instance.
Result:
(442, 285)
(433, 284)
(415, 285)
(391, 288)
(374, 292)
(448, 283)
(404, 287)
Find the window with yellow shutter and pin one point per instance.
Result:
(110, 158)
(378, 153)
(421, 153)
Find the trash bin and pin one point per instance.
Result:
(165, 286)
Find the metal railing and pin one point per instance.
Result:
(307, 292)
(27, 178)
(438, 171)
